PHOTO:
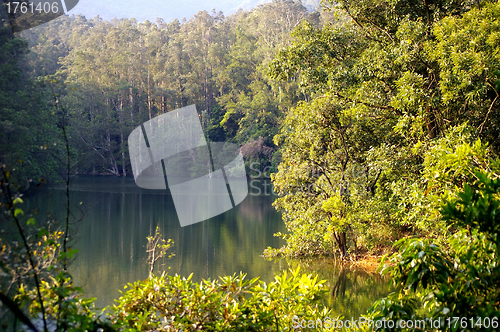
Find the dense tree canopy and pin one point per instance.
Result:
(29, 138)
(379, 119)
(110, 77)
(383, 82)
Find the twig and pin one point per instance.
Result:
(487, 114)
(16, 311)
(26, 245)
(68, 169)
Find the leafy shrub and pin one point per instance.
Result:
(173, 303)
(65, 307)
(459, 279)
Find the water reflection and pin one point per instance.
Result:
(118, 216)
(351, 290)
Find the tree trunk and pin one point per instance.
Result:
(131, 100)
(343, 245)
(122, 143)
(341, 240)
(431, 124)
(149, 94)
(114, 167)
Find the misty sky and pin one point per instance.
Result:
(151, 9)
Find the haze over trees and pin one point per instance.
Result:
(167, 10)
(379, 121)
(109, 77)
(353, 102)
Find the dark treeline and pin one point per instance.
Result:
(110, 77)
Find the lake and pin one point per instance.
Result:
(114, 217)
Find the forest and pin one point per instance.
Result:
(110, 77)
(378, 123)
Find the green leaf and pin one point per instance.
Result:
(17, 200)
(18, 212)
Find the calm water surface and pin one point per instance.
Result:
(117, 216)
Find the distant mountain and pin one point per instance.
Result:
(165, 9)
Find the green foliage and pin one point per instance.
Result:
(368, 110)
(35, 287)
(457, 279)
(29, 139)
(446, 164)
(114, 76)
(476, 207)
(384, 85)
(324, 161)
(166, 303)
(466, 52)
(157, 248)
(170, 303)
(66, 308)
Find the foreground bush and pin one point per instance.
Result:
(455, 285)
(174, 303)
